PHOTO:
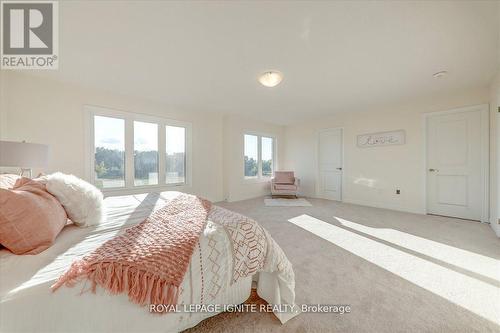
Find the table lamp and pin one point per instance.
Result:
(23, 155)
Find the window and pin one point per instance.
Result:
(175, 163)
(267, 156)
(132, 150)
(109, 153)
(251, 156)
(259, 156)
(145, 153)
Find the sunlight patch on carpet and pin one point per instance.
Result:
(473, 262)
(474, 295)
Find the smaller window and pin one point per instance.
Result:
(259, 156)
(251, 156)
(267, 156)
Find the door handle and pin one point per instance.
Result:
(433, 170)
(339, 169)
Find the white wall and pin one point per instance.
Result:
(494, 100)
(3, 101)
(235, 187)
(50, 112)
(495, 154)
(372, 175)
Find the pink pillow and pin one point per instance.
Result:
(30, 217)
(284, 177)
(8, 180)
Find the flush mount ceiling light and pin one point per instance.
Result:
(270, 78)
(439, 74)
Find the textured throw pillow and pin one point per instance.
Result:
(8, 180)
(30, 217)
(82, 201)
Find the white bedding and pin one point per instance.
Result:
(28, 305)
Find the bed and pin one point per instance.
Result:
(27, 303)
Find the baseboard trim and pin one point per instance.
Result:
(384, 206)
(495, 226)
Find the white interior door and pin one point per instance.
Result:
(454, 165)
(330, 164)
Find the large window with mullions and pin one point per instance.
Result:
(129, 150)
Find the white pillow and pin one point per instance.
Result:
(82, 201)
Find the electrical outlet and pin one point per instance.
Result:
(398, 191)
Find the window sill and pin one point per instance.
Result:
(109, 192)
(256, 180)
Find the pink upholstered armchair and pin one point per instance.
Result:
(284, 183)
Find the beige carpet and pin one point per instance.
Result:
(399, 272)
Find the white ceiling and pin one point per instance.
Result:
(335, 56)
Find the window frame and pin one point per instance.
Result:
(260, 178)
(90, 111)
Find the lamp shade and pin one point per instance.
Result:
(22, 154)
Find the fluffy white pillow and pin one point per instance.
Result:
(82, 201)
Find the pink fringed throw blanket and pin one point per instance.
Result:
(149, 260)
